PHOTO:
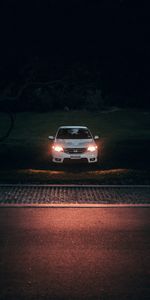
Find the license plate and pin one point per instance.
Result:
(75, 156)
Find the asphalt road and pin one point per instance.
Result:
(74, 253)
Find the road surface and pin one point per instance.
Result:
(74, 253)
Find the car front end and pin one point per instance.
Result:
(62, 153)
(78, 145)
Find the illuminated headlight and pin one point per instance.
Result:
(91, 148)
(57, 148)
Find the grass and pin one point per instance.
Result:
(118, 124)
(124, 147)
(113, 176)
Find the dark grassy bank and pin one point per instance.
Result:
(124, 145)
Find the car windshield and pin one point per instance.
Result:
(73, 133)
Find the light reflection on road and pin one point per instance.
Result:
(75, 253)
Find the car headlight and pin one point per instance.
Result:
(91, 148)
(57, 148)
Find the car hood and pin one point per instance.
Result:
(74, 143)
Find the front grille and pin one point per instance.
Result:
(74, 150)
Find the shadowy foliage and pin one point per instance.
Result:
(43, 86)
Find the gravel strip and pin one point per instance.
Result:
(53, 194)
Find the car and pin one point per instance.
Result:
(74, 143)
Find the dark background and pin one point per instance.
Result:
(79, 54)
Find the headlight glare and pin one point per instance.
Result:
(91, 148)
(57, 148)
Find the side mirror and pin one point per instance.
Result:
(51, 137)
(96, 137)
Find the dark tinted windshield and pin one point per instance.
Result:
(73, 133)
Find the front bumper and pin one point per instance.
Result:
(61, 157)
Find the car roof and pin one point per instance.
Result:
(73, 127)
